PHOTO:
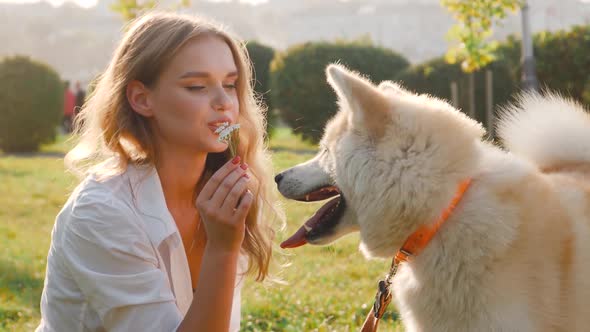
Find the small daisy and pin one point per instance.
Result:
(230, 135)
(222, 126)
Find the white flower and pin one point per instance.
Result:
(222, 126)
(224, 134)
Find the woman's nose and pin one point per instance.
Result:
(222, 101)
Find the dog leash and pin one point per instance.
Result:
(413, 245)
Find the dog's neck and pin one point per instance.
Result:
(417, 214)
(416, 193)
(412, 247)
(419, 239)
(446, 277)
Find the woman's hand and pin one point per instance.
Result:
(223, 205)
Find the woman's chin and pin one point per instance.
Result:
(218, 147)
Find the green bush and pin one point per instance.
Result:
(562, 60)
(31, 104)
(434, 77)
(586, 93)
(299, 87)
(261, 57)
(510, 52)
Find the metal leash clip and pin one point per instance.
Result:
(382, 299)
(383, 296)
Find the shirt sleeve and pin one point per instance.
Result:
(115, 266)
(236, 304)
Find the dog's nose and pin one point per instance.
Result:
(278, 178)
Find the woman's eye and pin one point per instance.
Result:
(229, 86)
(195, 88)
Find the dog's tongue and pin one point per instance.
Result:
(296, 240)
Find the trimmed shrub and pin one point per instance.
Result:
(434, 77)
(261, 57)
(562, 60)
(299, 87)
(31, 104)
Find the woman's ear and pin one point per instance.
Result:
(138, 98)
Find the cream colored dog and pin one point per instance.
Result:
(514, 254)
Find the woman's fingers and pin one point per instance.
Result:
(211, 186)
(244, 206)
(233, 197)
(227, 185)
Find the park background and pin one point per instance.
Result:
(426, 45)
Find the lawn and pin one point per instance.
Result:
(329, 288)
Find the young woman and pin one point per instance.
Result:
(165, 223)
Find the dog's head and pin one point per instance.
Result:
(389, 159)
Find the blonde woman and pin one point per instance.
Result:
(159, 233)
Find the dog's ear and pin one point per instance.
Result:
(392, 87)
(369, 106)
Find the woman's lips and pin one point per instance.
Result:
(216, 124)
(213, 128)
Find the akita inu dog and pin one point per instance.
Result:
(511, 251)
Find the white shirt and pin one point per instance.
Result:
(117, 262)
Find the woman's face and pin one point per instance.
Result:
(194, 94)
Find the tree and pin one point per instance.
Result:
(475, 19)
(130, 9)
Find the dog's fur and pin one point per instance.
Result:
(515, 253)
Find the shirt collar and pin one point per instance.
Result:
(148, 197)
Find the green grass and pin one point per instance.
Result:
(329, 288)
(34, 189)
(61, 146)
(284, 140)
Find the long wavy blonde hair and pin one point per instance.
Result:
(107, 126)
